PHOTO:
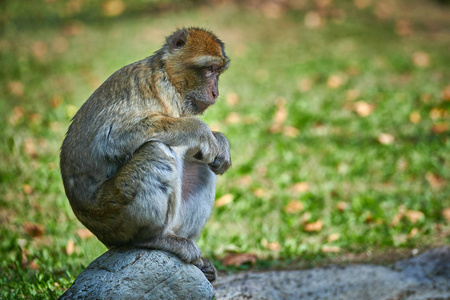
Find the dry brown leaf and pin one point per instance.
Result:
(232, 99)
(439, 128)
(30, 148)
(313, 20)
(224, 200)
(314, 226)
(274, 246)
(239, 259)
(363, 109)
(260, 192)
(446, 214)
(16, 88)
(299, 187)
(305, 217)
(84, 233)
(421, 59)
(305, 84)
(414, 117)
(70, 247)
(335, 81)
(294, 206)
(35, 118)
(331, 249)
(352, 94)
(112, 8)
(413, 232)
(39, 50)
(290, 131)
(435, 181)
(341, 206)
(386, 138)
(73, 29)
(272, 10)
(446, 93)
(414, 215)
(33, 230)
(383, 9)
(233, 118)
(403, 28)
(56, 101)
(362, 4)
(333, 237)
(438, 113)
(17, 115)
(27, 189)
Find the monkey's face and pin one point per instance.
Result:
(198, 59)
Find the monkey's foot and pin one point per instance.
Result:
(207, 268)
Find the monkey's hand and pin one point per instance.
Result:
(208, 146)
(222, 162)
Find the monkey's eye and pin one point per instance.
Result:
(210, 69)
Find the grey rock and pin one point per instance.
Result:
(139, 274)
(426, 276)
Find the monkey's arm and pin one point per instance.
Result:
(122, 139)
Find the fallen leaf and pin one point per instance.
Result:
(16, 88)
(413, 232)
(334, 81)
(352, 94)
(398, 217)
(386, 138)
(333, 237)
(299, 187)
(305, 84)
(274, 246)
(403, 28)
(314, 226)
(70, 247)
(33, 230)
(112, 8)
(27, 189)
(35, 118)
(73, 29)
(363, 109)
(280, 116)
(56, 101)
(383, 9)
(414, 117)
(17, 115)
(446, 214)
(260, 192)
(414, 215)
(232, 99)
(224, 200)
(272, 10)
(446, 93)
(30, 148)
(341, 206)
(437, 113)
(331, 249)
(290, 131)
(421, 59)
(362, 4)
(233, 118)
(439, 128)
(245, 180)
(294, 206)
(84, 233)
(305, 217)
(239, 259)
(39, 50)
(313, 20)
(435, 181)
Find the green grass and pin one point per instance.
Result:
(53, 57)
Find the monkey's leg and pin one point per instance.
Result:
(198, 193)
(148, 188)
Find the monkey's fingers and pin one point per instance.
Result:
(207, 268)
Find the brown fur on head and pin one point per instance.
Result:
(194, 58)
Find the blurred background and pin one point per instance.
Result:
(337, 113)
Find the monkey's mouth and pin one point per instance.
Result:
(203, 105)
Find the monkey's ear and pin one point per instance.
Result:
(178, 39)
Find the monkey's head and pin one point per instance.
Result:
(194, 60)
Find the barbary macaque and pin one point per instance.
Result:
(139, 168)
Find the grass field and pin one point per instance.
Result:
(337, 112)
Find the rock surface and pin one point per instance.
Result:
(426, 276)
(139, 274)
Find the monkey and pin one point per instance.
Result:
(138, 166)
